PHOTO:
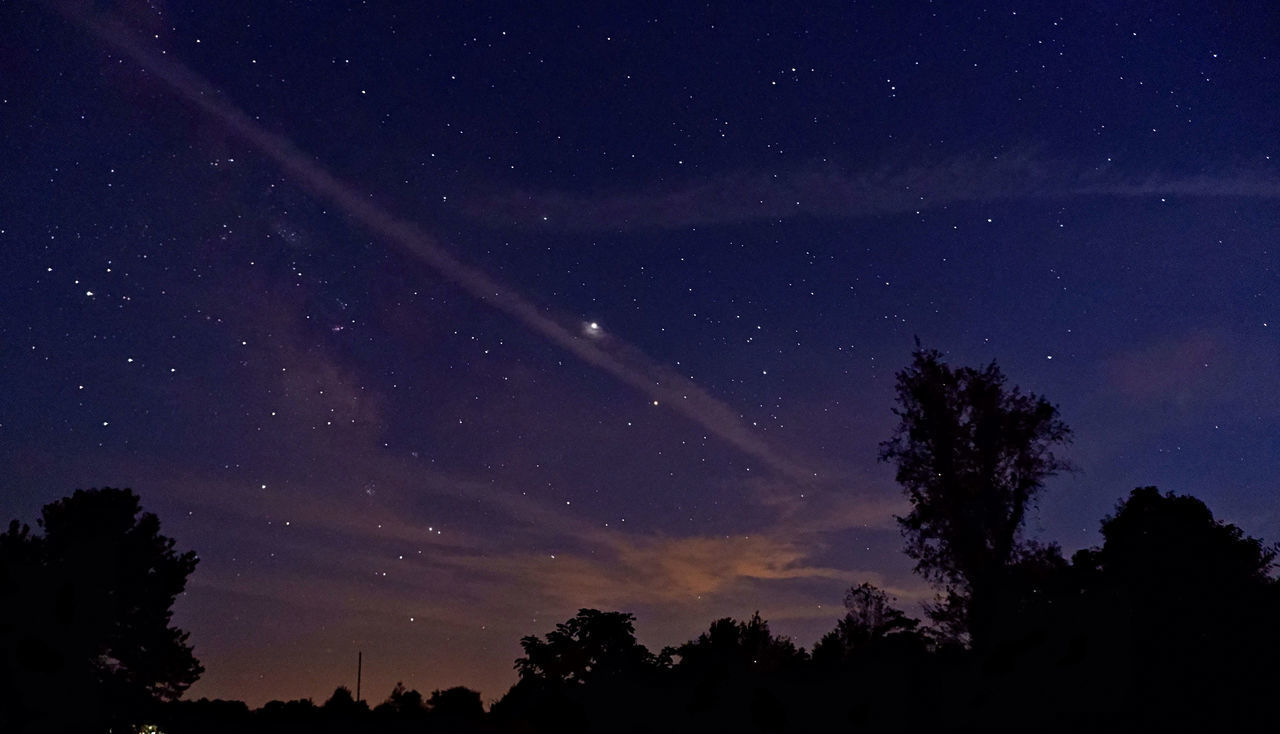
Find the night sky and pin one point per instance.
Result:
(427, 324)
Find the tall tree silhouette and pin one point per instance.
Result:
(88, 616)
(971, 454)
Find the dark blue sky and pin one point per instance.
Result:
(274, 316)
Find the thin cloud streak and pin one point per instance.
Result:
(1245, 186)
(610, 355)
(835, 193)
(752, 196)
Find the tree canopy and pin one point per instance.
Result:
(91, 612)
(870, 624)
(1173, 581)
(971, 453)
(731, 647)
(591, 645)
(1167, 541)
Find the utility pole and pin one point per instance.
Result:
(359, 669)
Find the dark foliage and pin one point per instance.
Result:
(1182, 609)
(871, 629)
(971, 454)
(733, 648)
(402, 704)
(589, 663)
(87, 616)
(456, 708)
(590, 646)
(738, 675)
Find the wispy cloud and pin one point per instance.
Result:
(1173, 369)
(1216, 366)
(835, 192)
(626, 570)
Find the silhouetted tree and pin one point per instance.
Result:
(456, 708)
(299, 715)
(342, 713)
(971, 454)
(87, 615)
(402, 702)
(1185, 607)
(586, 670)
(871, 623)
(205, 716)
(731, 647)
(403, 711)
(593, 644)
(342, 702)
(735, 676)
(1155, 545)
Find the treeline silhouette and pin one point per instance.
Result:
(1170, 624)
(452, 710)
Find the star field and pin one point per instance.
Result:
(426, 327)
